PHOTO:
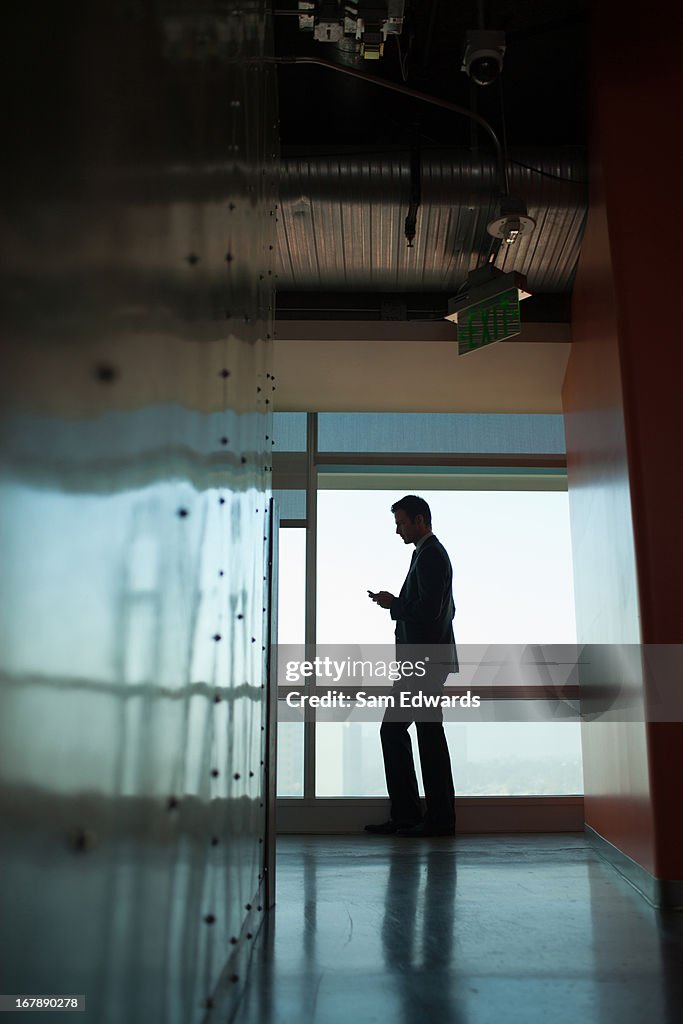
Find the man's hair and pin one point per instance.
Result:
(414, 506)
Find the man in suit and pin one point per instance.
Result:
(423, 612)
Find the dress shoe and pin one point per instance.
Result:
(425, 828)
(388, 828)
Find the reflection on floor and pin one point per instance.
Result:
(477, 930)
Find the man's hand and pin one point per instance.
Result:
(383, 598)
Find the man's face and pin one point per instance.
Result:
(409, 532)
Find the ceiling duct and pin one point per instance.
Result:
(341, 220)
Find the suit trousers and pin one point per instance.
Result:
(399, 769)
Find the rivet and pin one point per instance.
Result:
(82, 840)
(216, 637)
(229, 257)
(192, 258)
(243, 459)
(214, 840)
(251, 775)
(259, 908)
(216, 698)
(233, 940)
(172, 803)
(221, 573)
(105, 373)
(253, 639)
(214, 773)
(240, 616)
(224, 440)
(250, 935)
(182, 512)
(236, 775)
(209, 919)
(234, 977)
(221, 501)
(208, 1004)
(231, 207)
(247, 906)
(224, 374)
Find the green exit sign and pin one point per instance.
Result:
(486, 322)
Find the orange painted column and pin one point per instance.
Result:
(624, 417)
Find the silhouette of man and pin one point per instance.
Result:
(423, 612)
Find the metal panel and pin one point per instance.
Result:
(342, 217)
(134, 508)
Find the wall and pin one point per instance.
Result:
(623, 418)
(134, 503)
(357, 365)
(616, 778)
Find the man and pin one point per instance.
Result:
(423, 612)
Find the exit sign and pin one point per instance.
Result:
(486, 322)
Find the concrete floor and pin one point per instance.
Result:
(478, 930)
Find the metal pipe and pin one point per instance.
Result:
(415, 94)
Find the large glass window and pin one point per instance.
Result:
(505, 525)
(511, 556)
(513, 584)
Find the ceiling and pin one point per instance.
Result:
(348, 146)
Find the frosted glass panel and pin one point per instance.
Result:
(291, 504)
(441, 432)
(289, 432)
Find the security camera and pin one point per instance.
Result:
(483, 56)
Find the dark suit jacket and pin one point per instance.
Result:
(424, 609)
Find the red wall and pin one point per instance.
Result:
(623, 416)
(616, 776)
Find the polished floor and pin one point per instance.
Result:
(477, 930)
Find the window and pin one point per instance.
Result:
(504, 518)
(512, 584)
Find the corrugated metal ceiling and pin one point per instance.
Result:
(341, 221)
